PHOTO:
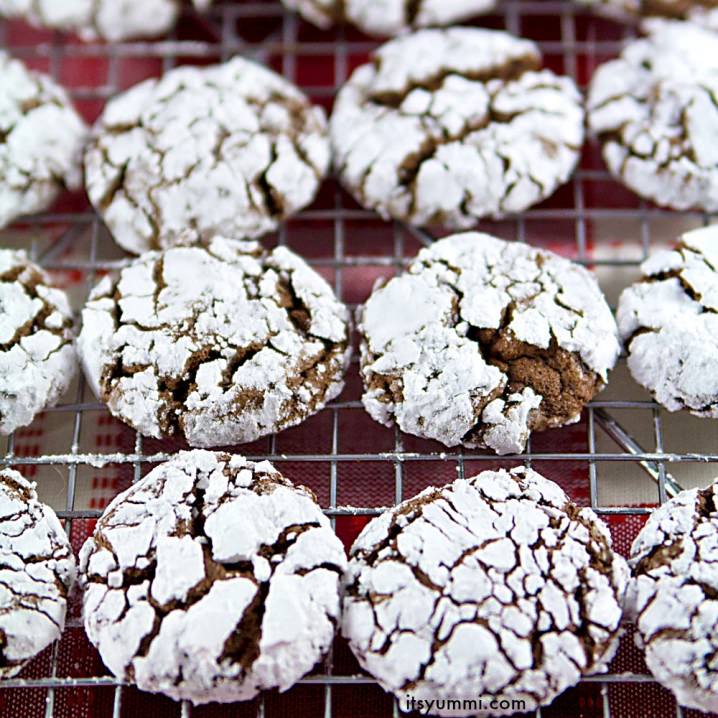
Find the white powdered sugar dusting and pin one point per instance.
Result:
(41, 141)
(672, 596)
(230, 149)
(482, 340)
(223, 343)
(491, 586)
(655, 110)
(37, 570)
(444, 127)
(669, 323)
(388, 17)
(37, 357)
(112, 20)
(703, 12)
(212, 579)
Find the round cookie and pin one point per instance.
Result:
(37, 357)
(389, 17)
(702, 11)
(444, 127)
(669, 325)
(654, 109)
(222, 343)
(41, 141)
(496, 586)
(211, 579)
(482, 341)
(230, 149)
(672, 596)
(37, 570)
(112, 20)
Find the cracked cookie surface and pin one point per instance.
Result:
(222, 343)
(211, 579)
(227, 149)
(41, 141)
(112, 20)
(700, 11)
(37, 357)
(673, 596)
(669, 325)
(496, 585)
(482, 341)
(443, 127)
(389, 17)
(655, 110)
(37, 570)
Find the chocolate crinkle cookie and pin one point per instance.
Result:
(41, 141)
(222, 343)
(482, 341)
(112, 20)
(389, 17)
(37, 570)
(443, 127)
(700, 11)
(669, 324)
(673, 596)
(494, 586)
(211, 579)
(37, 357)
(655, 110)
(230, 149)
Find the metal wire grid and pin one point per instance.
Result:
(285, 42)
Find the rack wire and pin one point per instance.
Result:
(571, 41)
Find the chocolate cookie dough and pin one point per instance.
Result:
(228, 149)
(444, 127)
(37, 570)
(655, 111)
(389, 17)
(673, 596)
(211, 579)
(494, 586)
(482, 341)
(222, 343)
(669, 324)
(37, 357)
(41, 141)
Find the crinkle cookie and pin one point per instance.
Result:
(112, 20)
(482, 341)
(37, 357)
(41, 141)
(655, 109)
(229, 149)
(37, 570)
(702, 11)
(212, 579)
(389, 17)
(494, 586)
(673, 596)
(223, 343)
(669, 324)
(444, 127)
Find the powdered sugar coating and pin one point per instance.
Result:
(388, 17)
(482, 341)
(112, 20)
(41, 141)
(496, 585)
(37, 358)
(223, 343)
(672, 596)
(229, 149)
(444, 127)
(211, 579)
(669, 323)
(656, 111)
(36, 574)
(700, 11)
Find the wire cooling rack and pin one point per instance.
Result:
(80, 457)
